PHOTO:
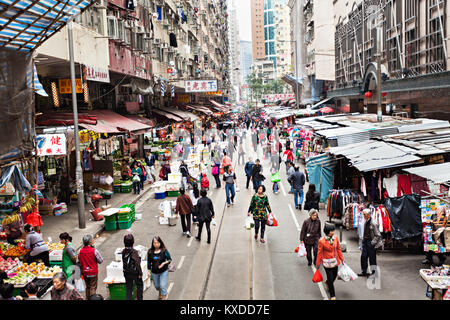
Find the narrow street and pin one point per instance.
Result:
(235, 266)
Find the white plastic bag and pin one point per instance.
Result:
(79, 285)
(249, 223)
(346, 273)
(302, 250)
(136, 178)
(213, 222)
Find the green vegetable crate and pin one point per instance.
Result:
(173, 193)
(125, 224)
(110, 226)
(118, 291)
(132, 212)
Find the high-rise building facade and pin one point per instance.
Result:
(246, 59)
(283, 44)
(269, 31)
(235, 60)
(258, 45)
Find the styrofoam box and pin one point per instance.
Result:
(174, 177)
(56, 255)
(114, 270)
(141, 249)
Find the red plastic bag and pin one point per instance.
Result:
(296, 249)
(317, 277)
(272, 221)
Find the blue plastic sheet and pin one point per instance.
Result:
(18, 180)
(321, 173)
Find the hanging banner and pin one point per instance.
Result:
(214, 93)
(276, 97)
(200, 85)
(51, 145)
(88, 136)
(65, 86)
(96, 74)
(183, 98)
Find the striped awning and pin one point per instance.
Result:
(26, 24)
(38, 88)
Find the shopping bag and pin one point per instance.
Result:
(222, 171)
(317, 277)
(79, 285)
(275, 177)
(213, 222)
(249, 223)
(296, 249)
(302, 250)
(237, 189)
(272, 221)
(136, 178)
(346, 273)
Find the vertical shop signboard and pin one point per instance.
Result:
(51, 145)
(65, 86)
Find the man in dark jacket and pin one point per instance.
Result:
(184, 173)
(257, 176)
(297, 179)
(310, 235)
(371, 241)
(248, 170)
(132, 270)
(204, 213)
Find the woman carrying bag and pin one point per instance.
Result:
(330, 255)
(259, 208)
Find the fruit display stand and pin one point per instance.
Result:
(160, 189)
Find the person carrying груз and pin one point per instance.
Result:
(310, 235)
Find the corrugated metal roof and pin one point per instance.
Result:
(372, 155)
(438, 173)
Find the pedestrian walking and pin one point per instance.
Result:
(312, 198)
(330, 255)
(150, 160)
(288, 156)
(370, 242)
(89, 258)
(230, 179)
(183, 208)
(226, 160)
(69, 256)
(62, 290)
(158, 261)
(164, 171)
(215, 171)
(38, 249)
(298, 180)
(204, 213)
(257, 176)
(241, 153)
(259, 208)
(143, 176)
(276, 160)
(136, 172)
(290, 172)
(195, 196)
(183, 169)
(310, 235)
(248, 170)
(275, 178)
(132, 270)
(255, 140)
(124, 170)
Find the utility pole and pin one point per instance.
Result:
(379, 109)
(78, 169)
(296, 76)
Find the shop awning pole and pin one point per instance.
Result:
(78, 169)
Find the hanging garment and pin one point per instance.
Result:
(363, 186)
(379, 185)
(373, 185)
(173, 40)
(390, 184)
(419, 185)
(404, 185)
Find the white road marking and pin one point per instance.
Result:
(282, 188)
(181, 262)
(190, 242)
(169, 289)
(320, 284)
(293, 217)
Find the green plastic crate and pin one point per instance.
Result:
(56, 263)
(111, 218)
(116, 189)
(109, 226)
(118, 291)
(126, 190)
(125, 224)
(123, 218)
(173, 193)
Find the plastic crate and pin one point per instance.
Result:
(116, 189)
(126, 189)
(111, 218)
(123, 218)
(107, 195)
(56, 263)
(173, 193)
(160, 195)
(118, 291)
(109, 226)
(125, 224)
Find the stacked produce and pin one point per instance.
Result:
(8, 264)
(28, 204)
(15, 251)
(55, 246)
(20, 279)
(5, 246)
(39, 270)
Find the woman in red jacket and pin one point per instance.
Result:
(330, 255)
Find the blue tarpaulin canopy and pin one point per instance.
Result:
(25, 24)
(18, 180)
(321, 173)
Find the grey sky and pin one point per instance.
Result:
(244, 19)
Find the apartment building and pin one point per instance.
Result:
(126, 51)
(235, 54)
(414, 46)
(246, 59)
(265, 68)
(282, 38)
(258, 39)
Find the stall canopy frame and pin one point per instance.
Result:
(437, 173)
(26, 24)
(321, 173)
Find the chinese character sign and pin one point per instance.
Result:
(276, 97)
(51, 145)
(200, 85)
(96, 74)
(65, 86)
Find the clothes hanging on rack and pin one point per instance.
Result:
(363, 187)
(391, 185)
(338, 201)
(404, 185)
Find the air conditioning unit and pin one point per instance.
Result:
(164, 46)
(156, 41)
(100, 4)
(148, 36)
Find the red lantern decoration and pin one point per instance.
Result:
(384, 94)
(368, 94)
